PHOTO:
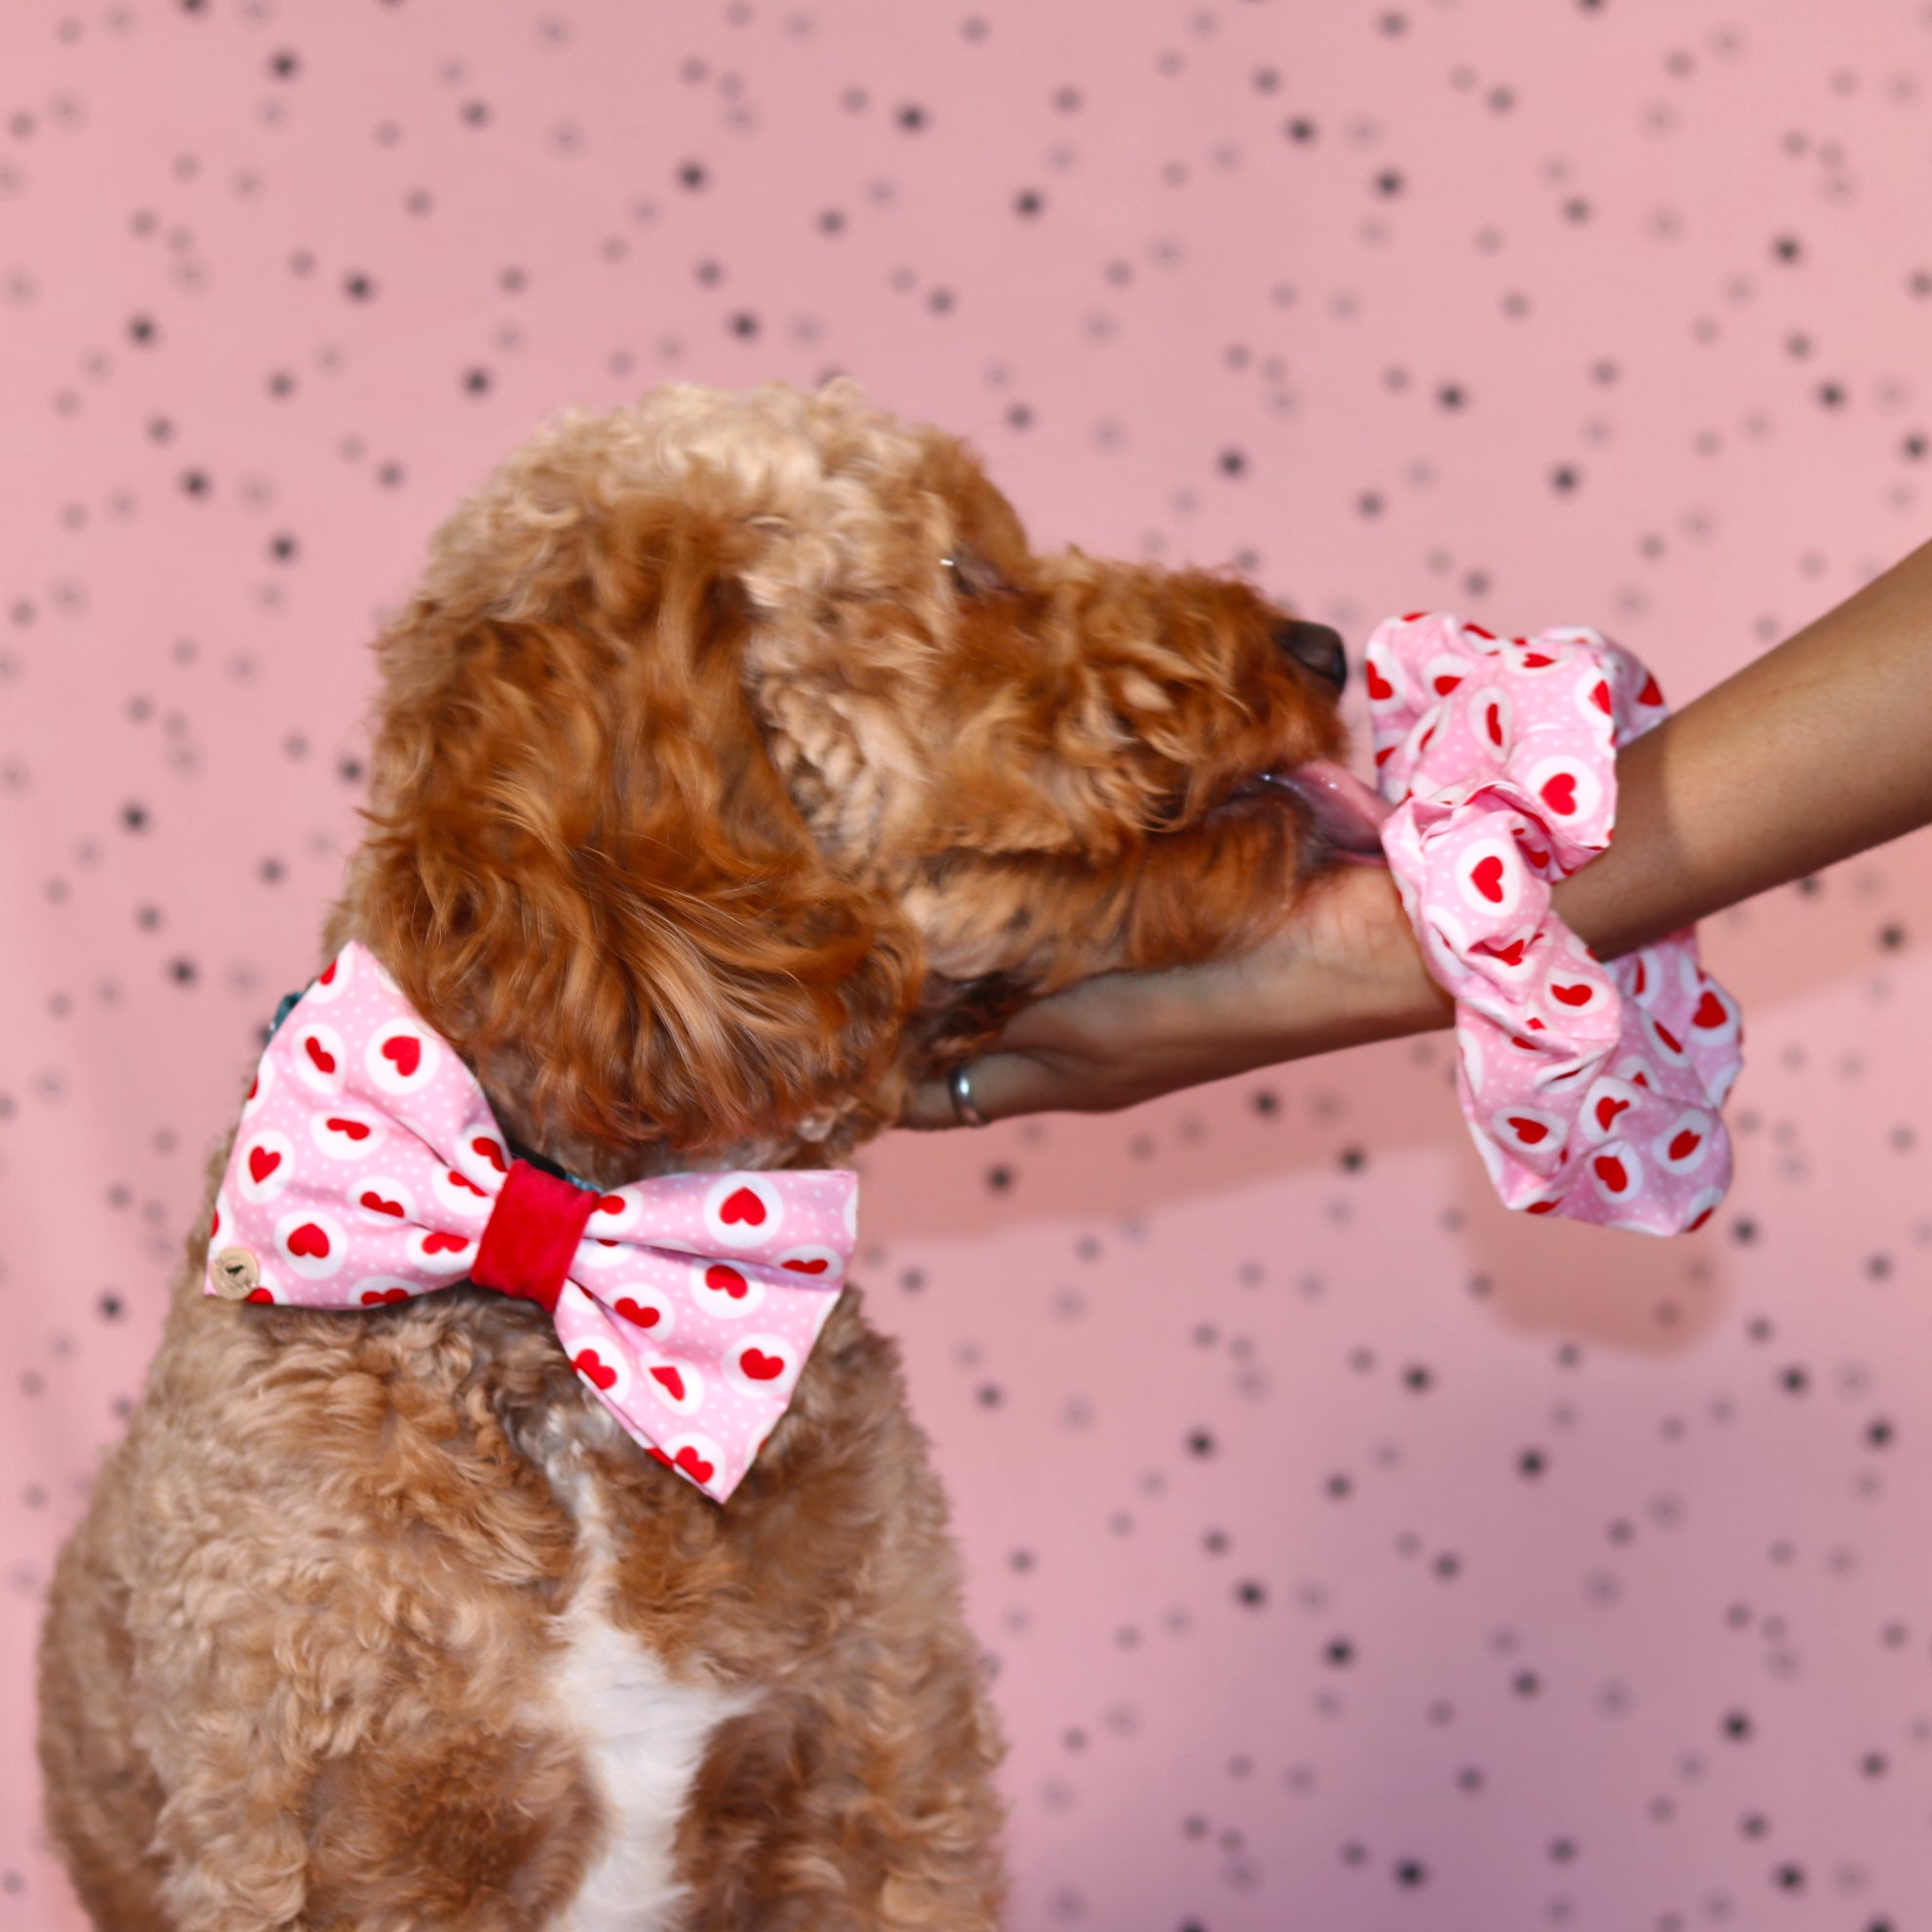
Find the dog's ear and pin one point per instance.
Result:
(583, 869)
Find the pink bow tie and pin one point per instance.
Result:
(368, 1168)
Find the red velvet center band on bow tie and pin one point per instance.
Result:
(532, 1234)
(368, 1168)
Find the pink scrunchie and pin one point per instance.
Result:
(1592, 1091)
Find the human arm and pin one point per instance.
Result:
(1820, 749)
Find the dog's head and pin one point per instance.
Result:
(737, 760)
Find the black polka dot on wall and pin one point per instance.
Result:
(1397, 309)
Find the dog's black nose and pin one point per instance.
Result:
(1317, 646)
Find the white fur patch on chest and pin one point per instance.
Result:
(644, 1736)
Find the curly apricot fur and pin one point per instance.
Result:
(711, 804)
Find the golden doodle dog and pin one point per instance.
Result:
(737, 764)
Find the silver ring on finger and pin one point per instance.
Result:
(959, 1083)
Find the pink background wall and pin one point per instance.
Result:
(1353, 1555)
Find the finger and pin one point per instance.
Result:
(1003, 1085)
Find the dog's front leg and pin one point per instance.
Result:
(873, 1813)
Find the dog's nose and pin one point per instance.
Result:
(1317, 646)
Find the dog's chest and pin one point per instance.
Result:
(643, 1736)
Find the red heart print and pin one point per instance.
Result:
(327, 976)
(491, 1152)
(464, 1180)
(726, 1281)
(1493, 724)
(1385, 754)
(588, 1364)
(1600, 696)
(1535, 857)
(324, 1061)
(611, 1204)
(694, 1465)
(309, 1239)
(817, 1267)
(356, 1129)
(1640, 1078)
(1486, 875)
(674, 1383)
(1611, 1171)
(1649, 694)
(1528, 1132)
(1379, 686)
(642, 1316)
(1685, 1144)
(1608, 1108)
(404, 1052)
(1476, 630)
(376, 1297)
(1710, 1011)
(762, 1367)
(1511, 956)
(1447, 683)
(376, 1204)
(1559, 794)
(1414, 617)
(214, 1226)
(254, 1088)
(440, 1243)
(1640, 980)
(1569, 995)
(1535, 660)
(1701, 1218)
(1426, 740)
(262, 1162)
(1669, 1038)
(1540, 1208)
(260, 1294)
(742, 1206)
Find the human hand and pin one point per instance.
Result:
(1345, 969)
(1809, 754)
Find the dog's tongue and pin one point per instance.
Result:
(1348, 815)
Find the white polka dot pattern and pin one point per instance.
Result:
(1593, 1091)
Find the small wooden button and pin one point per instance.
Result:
(236, 1274)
